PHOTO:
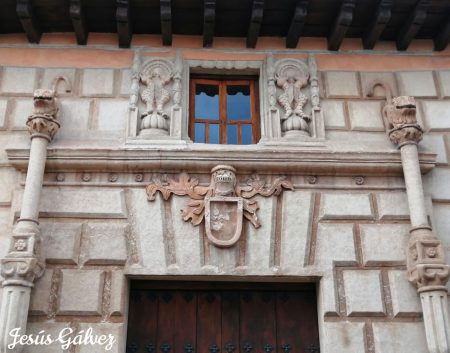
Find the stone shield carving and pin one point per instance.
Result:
(223, 220)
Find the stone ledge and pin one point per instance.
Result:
(249, 159)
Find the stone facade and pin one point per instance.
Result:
(344, 225)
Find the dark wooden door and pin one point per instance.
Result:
(177, 317)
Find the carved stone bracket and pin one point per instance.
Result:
(222, 204)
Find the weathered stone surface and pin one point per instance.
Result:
(435, 143)
(107, 243)
(367, 79)
(342, 337)
(112, 115)
(50, 74)
(333, 113)
(118, 284)
(86, 202)
(97, 82)
(441, 225)
(436, 184)
(401, 337)
(392, 205)
(295, 228)
(18, 80)
(114, 334)
(444, 82)
(51, 328)
(40, 294)
(8, 180)
(408, 83)
(436, 114)
(3, 105)
(125, 82)
(345, 206)
(363, 293)
(22, 109)
(405, 300)
(62, 241)
(366, 115)
(81, 292)
(74, 118)
(384, 243)
(341, 84)
(5, 229)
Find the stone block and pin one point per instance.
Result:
(441, 225)
(327, 302)
(341, 84)
(416, 83)
(342, 337)
(333, 113)
(444, 82)
(5, 229)
(125, 82)
(295, 228)
(83, 203)
(8, 179)
(74, 117)
(384, 243)
(81, 292)
(437, 115)
(113, 342)
(363, 293)
(107, 243)
(399, 337)
(392, 205)
(40, 294)
(97, 82)
(50, 74)
(3, 105)
(118, 295)
(18, 80)
(345, 206)
(435, 143)
(50, 328)
(112, 115)
(367, 79)
(335, 242)
(62, 242)
(22, 109)
(366, 115)
(405, 300)
(436, 184)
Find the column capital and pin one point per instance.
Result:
(43, 121)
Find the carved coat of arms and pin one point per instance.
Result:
(223, 204)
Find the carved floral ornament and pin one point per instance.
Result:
(223, 204)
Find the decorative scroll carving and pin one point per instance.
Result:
(44, 121)
(223, 203)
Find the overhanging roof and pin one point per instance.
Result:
(400, 21)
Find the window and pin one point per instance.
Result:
(224, 111)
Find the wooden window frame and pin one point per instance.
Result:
(223, 83)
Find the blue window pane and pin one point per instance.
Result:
(207, 102)
(232, 134)
(238, 103)
(213, 133)
(199, 133)
(246, 134)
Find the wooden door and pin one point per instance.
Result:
(177, 317)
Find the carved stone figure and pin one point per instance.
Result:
(155, 76)
(223, 204)
(292, 75)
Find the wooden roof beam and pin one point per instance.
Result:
(297, 23)
(255, 23)
(209, 19)
(443, 37)
(412, 25)
(28, 19)
(341, 24)
(378, 24)
(166, 21)
(124, 31)
(78, 16)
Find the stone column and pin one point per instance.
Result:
(427, 268)
(25, 260)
